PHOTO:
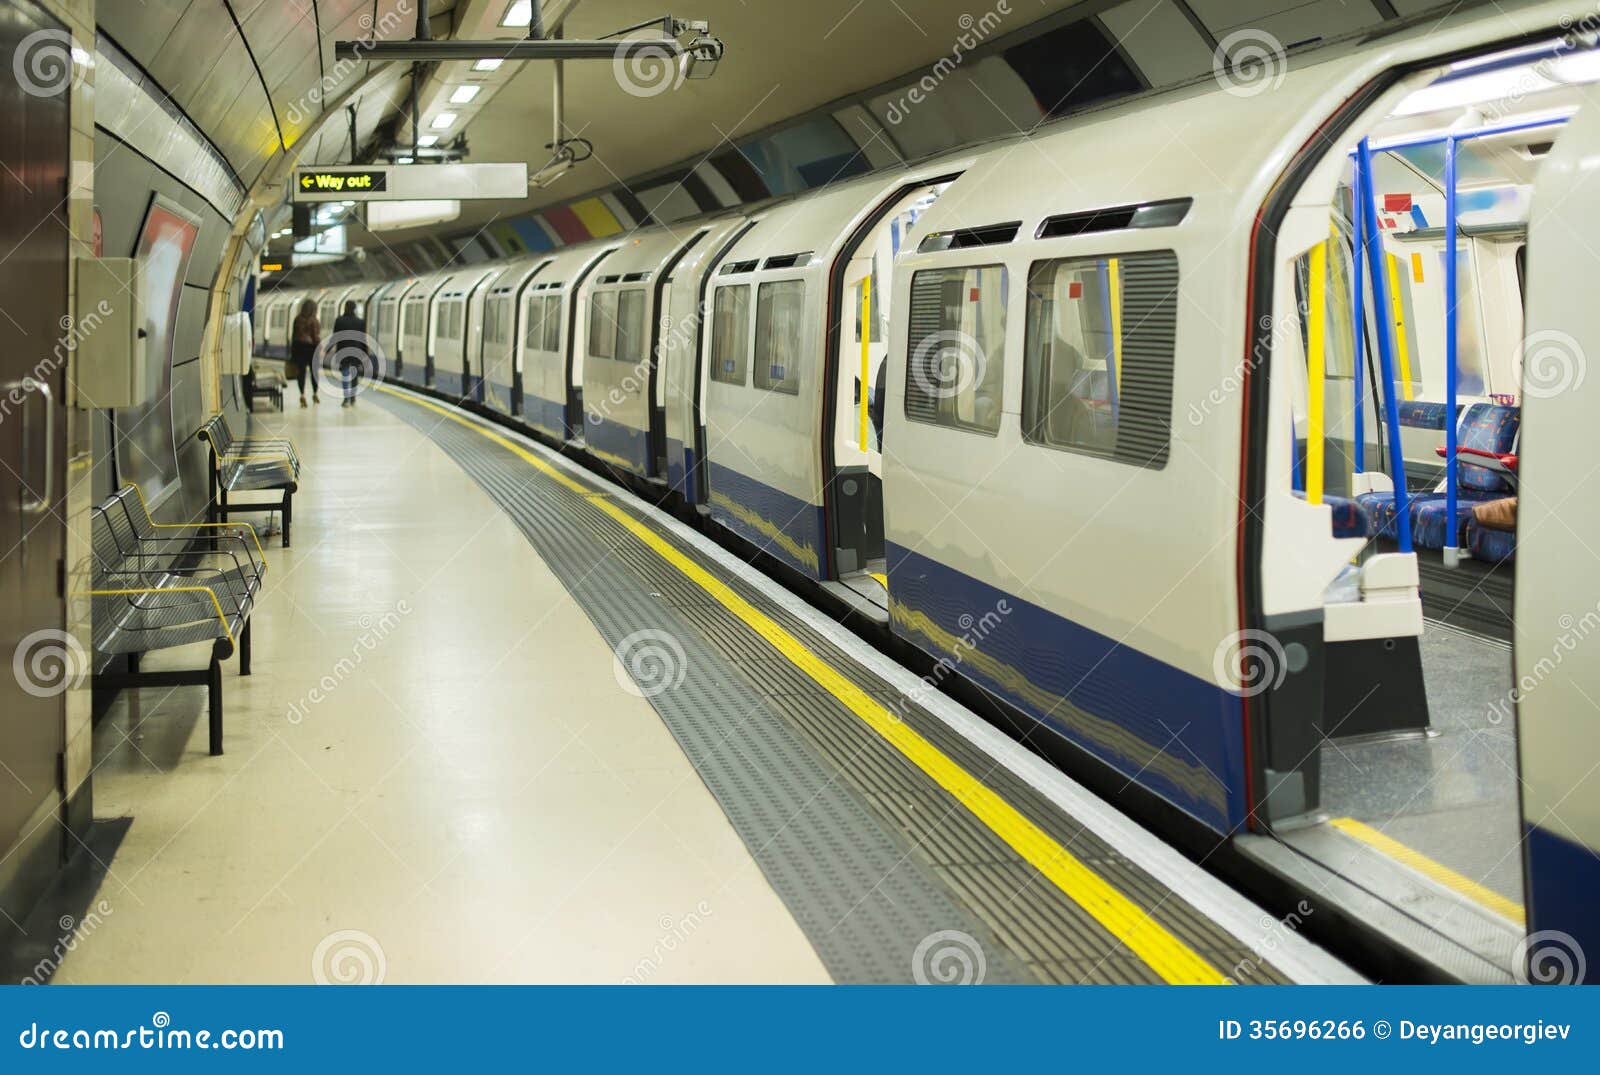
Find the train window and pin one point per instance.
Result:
(1097, 368)
(552, 323)
(955, 356)
(630, 325)
(780, 324)
(730, 333)
(603, 324)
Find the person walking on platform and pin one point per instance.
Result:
(305, 339)
(350, 330)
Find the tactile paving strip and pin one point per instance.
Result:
(870, 855)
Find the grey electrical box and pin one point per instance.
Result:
(108, 334)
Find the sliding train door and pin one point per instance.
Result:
(1557, 606)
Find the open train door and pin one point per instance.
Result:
(1557, 608)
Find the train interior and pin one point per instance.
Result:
(1417, 753)
(862, 344)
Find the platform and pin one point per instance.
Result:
(527, 728)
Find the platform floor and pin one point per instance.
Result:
(448, 767)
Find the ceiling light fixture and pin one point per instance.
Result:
(428, 140)
(464, 94)
(488, 64)
(518, 13)
(442, 120)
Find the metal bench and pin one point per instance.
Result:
(267, 382)
(249, 465)
(151, 591)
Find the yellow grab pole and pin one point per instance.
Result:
(1316, 369)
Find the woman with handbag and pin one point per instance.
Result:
(304, 339)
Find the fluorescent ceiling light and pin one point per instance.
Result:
(464, 94)
(442, 120)
(487, 64)
(428, 140)
(518, 13)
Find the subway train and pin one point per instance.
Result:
(1118, 422)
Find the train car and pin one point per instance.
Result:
(457, 339)
(681, 375)
(503, 335)
(786, 467)
(553, 319)
(383, 322)
(624, 422)
(418, 323)
(276, 316)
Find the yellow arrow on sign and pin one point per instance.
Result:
(305, 182)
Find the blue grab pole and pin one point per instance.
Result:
(1451, 551)
(1359, 317)
(1385, 316)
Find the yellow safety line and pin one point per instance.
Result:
(1426, 866)
(1316, 370)
(170, 589)
(1402, 345)
(1114, 280)
(1166, 954)
(185, 526)
(866, 360)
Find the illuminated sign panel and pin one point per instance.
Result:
(411, 182)
(343, 183)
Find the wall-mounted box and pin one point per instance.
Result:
(108, 334)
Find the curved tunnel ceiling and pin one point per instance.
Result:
(256, 75)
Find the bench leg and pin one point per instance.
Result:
(222, 505)
(214, 697)
(133, 663)
(288, 516)
(244, 650)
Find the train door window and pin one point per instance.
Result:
(955, 355)
(630, 325)
(730, 333)
(603, 324)
(552, 323)
(780, 324)
(1098, 361)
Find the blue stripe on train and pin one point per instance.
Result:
(680, 470)
(618, 444)
(780, 523)
(1176, 734)
(1563, 878)
(545, 415)
(448, 381)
